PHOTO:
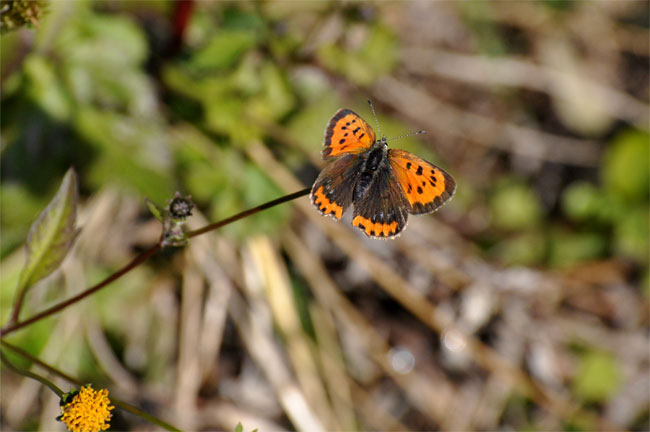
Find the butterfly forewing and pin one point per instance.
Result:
(347, 133)
(425, 186)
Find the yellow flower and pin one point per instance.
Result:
(87, 411)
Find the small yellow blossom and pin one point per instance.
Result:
(88, 411)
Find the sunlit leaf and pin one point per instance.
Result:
(568, 248)
(153, 208)
(224, 50)
(631, 234)
(133, 152)
(527, 248)
(52, 234)
(45, 89)
(626, 166)
(598, 376)
(374, 58)
(581, 200)
(515, 206)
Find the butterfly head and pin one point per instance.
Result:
(384, 140)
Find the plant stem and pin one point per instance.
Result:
(17, 304)
(248, 212)
(60, 306)
(138, 412)
(29, 374)
(117, 402)
(11, 327)
(39, 362)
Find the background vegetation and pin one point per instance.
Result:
(522, 304)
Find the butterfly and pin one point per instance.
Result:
(383, 185)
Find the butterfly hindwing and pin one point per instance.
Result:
(425, 186)
(347, 133)
(332, 190)
(382, 211)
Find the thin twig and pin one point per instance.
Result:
(119, 403)
(60, 306)
(249, 212)
(28, 374)
(39, 362)
(142, 258)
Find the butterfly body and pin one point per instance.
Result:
(375, 163)
(383, 185)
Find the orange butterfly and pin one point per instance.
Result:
(384, 185)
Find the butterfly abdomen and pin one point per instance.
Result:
(374, 159)
(365, 179)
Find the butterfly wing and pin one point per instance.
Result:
(347, 133)
(382, 211)
(333, 189)
(425, 186)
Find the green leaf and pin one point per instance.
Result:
(52, 234)
(153, 208)
(374, 58)
(626, 167)
(131, 152)
(581, 201)
(527, 248)
(239, 427)
(224, 50)
(277, 98)
(118, 38)
(597, 378)
(569, 248)
(631, 234)
(515, 206)
(45, 89)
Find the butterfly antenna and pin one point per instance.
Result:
(407, 135)
(372, 108)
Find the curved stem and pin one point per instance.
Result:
(60, 306)
(39, 362)
(29, 374)
(17, 304)
(117, 402)
(248, 212)
(143, 257)
(138, 412)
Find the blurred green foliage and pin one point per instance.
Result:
(610, 218)
(364, 64)
(597, 378)
(620, 206)
(515, 206)
(95, 92)
(89, 99)
(626, 167)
